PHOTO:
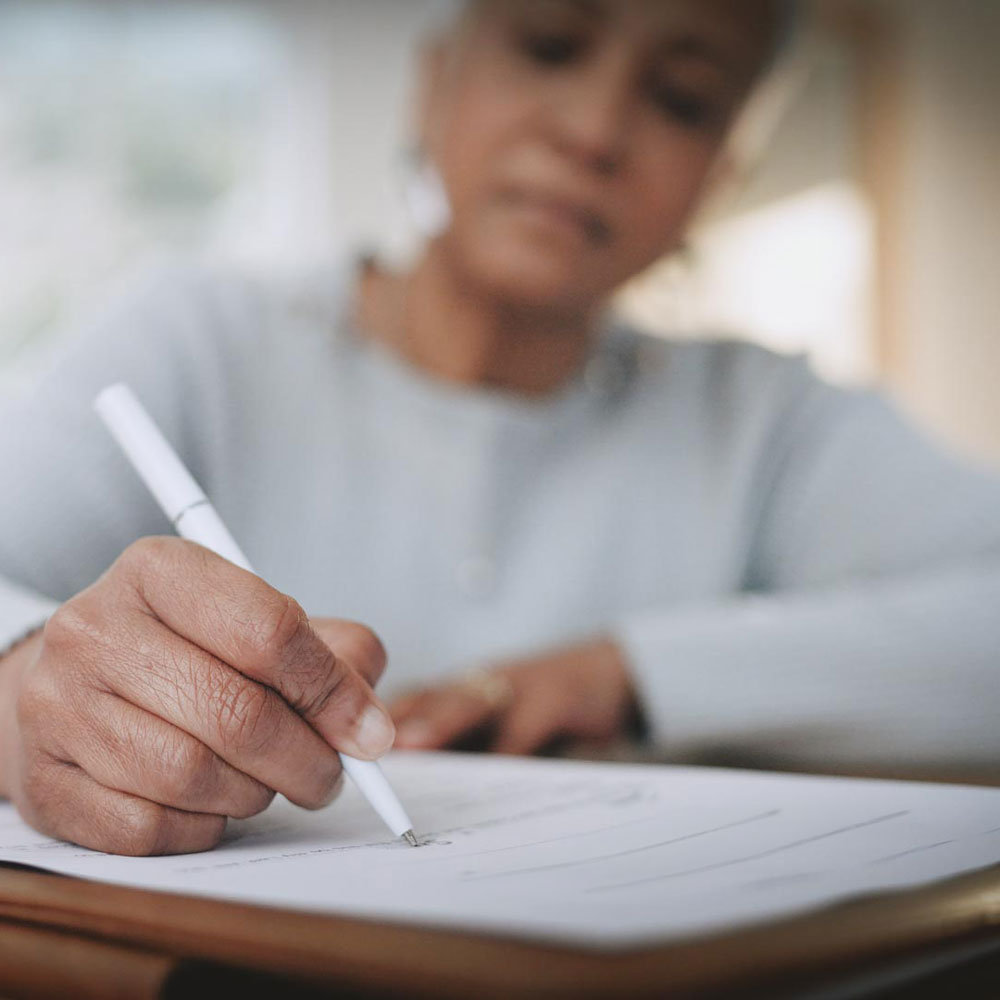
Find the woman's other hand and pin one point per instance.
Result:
(580, 693)
(175, 692)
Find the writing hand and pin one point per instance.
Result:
(175, 692)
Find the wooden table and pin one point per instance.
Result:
(65, 937)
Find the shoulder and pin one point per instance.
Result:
(725, 381)
(203, 307)
(742, 402)
(719, 365)
(191, 339)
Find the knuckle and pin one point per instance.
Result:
(140, 828)
(253, 803)
(136, 568)
(309, 686)
(38, 796)
(246, 716)
(340, 685)
(189, 770)
(37, 701)
(68, 628)
(144, 554)
(283, 626)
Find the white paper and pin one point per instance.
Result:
(596, 854)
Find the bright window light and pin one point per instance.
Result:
(794, 275)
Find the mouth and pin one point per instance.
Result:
(560, 212)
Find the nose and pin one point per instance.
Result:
(590, 117)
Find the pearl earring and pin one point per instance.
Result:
(424, 195)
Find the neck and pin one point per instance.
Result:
(444, 326)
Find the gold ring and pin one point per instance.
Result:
(492, 686)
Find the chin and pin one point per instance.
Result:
(534, 276)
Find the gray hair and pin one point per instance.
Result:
(442, 15)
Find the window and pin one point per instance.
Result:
(123, 127)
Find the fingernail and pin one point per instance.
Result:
(413, 734)
(375, 732)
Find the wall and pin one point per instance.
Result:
(945, 359)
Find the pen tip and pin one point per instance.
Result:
(411, 839)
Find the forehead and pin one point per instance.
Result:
(742, 32)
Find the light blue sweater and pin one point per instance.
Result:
(790, 567)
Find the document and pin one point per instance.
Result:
(600, 855)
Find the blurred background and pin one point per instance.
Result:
(862, 229)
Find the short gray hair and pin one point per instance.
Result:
(442, 14)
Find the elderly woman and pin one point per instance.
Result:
(478, 462)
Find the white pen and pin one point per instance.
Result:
(189, 511)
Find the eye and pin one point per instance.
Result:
(552, 48)
(692, 100)
(691, 109)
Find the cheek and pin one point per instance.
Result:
(487, 127)
(662, 196)
(469, 147)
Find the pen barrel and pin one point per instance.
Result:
(368, 776)
(149, 452)
(200, 523)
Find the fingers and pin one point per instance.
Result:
(62, 801)
(444, 717)
(439, 718)
(179, 690)
(244, 723)
(266, 636)
(526, 728)
(129, 750)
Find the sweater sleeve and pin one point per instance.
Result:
(69, 502)
(22, 611)
(868, 628)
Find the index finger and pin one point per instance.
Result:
(265, 635)
(440, 717)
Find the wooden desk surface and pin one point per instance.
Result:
(37, 963)
(142, 930)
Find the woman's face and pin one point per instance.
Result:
(574, 137)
